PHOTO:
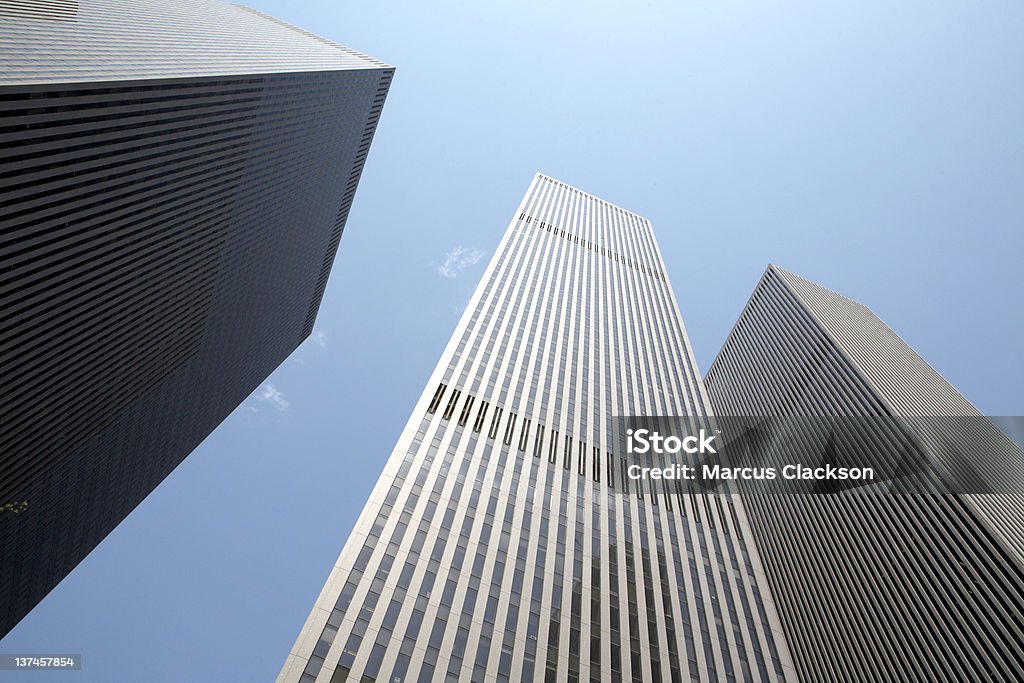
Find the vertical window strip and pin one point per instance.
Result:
(721, 515)
(510, 428)
(524, 437)
(735, 522)
(467, 409)
(494, 423)
(451, 404)
(480, 416)
(437, 398)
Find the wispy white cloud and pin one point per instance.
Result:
(268, 393)
(457, 260)
(320, 337)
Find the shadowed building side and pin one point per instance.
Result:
(174, 184)
(875, 586)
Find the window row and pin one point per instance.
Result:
(587, 244)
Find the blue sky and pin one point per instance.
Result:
(875, 148)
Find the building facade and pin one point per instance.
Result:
(872, 585)
(503, 541)
(174, 182)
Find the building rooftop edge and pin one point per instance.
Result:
(592, 196)
(790, 274)
(326, 41)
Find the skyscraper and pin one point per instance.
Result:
(878, 586)
(503, 541)
(174, 183)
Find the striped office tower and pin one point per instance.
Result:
(174, 181)
(876, 586)
(502, 542)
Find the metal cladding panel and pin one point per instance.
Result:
(164, 245)
(872, 586)
(71, 41)
(502, 541)
(911, 387)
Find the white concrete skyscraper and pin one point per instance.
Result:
(502, 541)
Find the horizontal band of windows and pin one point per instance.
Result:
(596, 248)
(588, 460)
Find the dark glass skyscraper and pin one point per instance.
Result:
(503, 540)
(174, 182)
(878, 586)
